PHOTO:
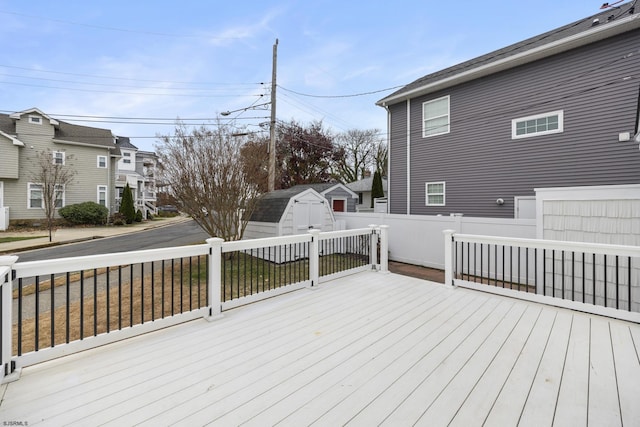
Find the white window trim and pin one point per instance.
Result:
(62, 199)
(36, 120)
(444, 193)
(102, 188)
(53, 155)
(98, 162)
(29, 189)
(559, 113)
(448, 115)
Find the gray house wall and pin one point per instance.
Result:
(397, 196)
(593, 85)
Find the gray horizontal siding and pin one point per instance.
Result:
(397, 184)
(480, 162)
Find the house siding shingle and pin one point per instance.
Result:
(480, 162)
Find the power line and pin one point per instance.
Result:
(35, 70)
(112, 85)
(123, 30)
(341, 96)
(124, 92)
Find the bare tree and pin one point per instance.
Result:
(382, 158)
(359, 152)
(52, 174)
(205, 174)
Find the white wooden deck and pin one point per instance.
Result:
(369, 349)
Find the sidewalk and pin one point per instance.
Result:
(78, 234)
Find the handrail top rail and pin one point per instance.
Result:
(62, 265)
(265, 242)
(584, 247)
(345, 233)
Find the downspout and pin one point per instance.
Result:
(388, 157)
(408, 157)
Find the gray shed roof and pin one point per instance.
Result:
(528, 45)
(272, 205)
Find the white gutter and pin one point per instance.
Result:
(82, 144)
(599, 32)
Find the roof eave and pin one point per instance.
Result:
(83, 144)
(597, 33)
(18, 114)
(13, 139)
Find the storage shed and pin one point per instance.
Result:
(297, 209)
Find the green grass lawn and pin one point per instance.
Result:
(17, 239)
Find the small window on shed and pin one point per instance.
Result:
(36, 120)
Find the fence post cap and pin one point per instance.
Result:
(448, 231)
(8, 260)
(215, 241)
(314, 231)
(383, 226)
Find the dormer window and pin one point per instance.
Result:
(36, 120)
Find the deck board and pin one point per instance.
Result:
(572, 404)
(367, 349)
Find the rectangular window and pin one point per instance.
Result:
(58, 157)
(102, 195)
(37, 120)
(59, 196)
(541, 124)
(125, 154)
(435, 193)
(126, 161)
(36, 196)
(102, 162)
(360, 198)
(435, 117)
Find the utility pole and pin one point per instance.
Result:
(272, 128)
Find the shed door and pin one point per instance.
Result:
(307, 214)
(339, 205)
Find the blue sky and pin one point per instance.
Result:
(150, 60)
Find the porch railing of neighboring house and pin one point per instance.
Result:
(57, 307)
(590, 277)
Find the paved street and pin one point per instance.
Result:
(166, 232)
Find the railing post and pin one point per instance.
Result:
(384, 248)
(215, 278)
(448, 257)
(7, 367)
(373, 246)
(314, 258)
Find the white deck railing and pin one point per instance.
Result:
(119, 295)
(595, 278)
